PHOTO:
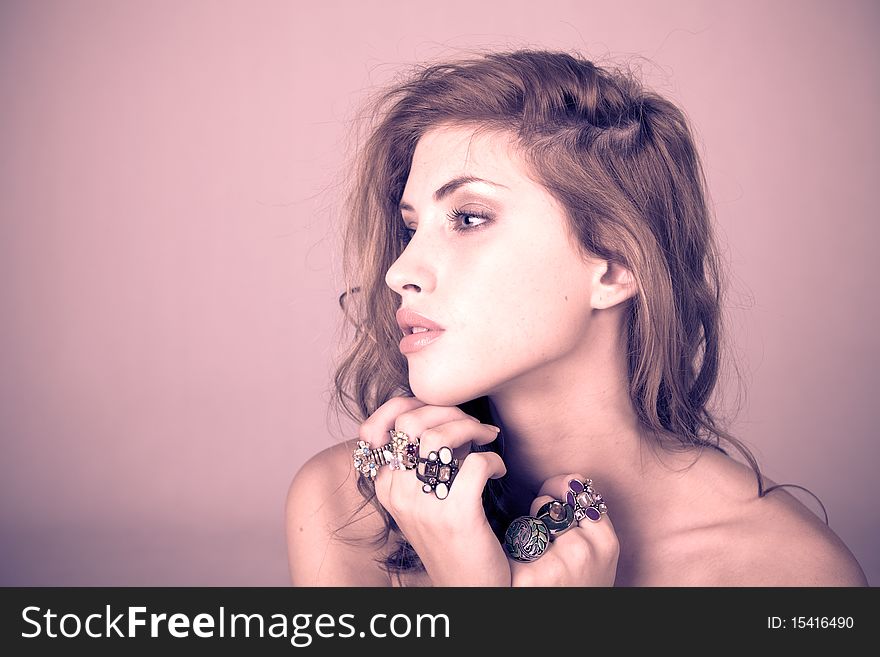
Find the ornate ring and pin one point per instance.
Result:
(587, 502)
(367, 460)
(437, 472)
(526, 538)
(403, 453)
(558, 516)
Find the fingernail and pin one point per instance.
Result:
(492, 426)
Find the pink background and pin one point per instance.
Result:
(168, 273)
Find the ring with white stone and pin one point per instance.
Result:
(437, 471)
(587, 502)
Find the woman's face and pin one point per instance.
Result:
(502, 278)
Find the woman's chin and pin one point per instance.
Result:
(433, 394)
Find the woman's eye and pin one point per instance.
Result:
(465, 220)
(406, 234)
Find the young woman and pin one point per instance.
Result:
(536, 299)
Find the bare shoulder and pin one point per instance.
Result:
(791, 546)
(774, 540)
(330, 532)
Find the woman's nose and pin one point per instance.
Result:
(410, 273)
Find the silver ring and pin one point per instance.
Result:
(526, 539)
(558, 516)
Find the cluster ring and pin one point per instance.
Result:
(437, 472)
(400, 453)
(586, 500)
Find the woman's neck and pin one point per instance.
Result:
(576, 416)
(595, 436)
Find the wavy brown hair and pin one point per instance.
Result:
(621, 161)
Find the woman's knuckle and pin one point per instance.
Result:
(401, 504)
(395, 508)
(405, 418)
(477, 463)
(402, 402)
(605, 549)
(610, 539)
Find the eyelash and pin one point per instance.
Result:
(454, 216)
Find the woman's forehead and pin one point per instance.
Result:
(445, 152)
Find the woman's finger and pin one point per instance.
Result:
(599, 533)
(540, 501)
(374, 430)
(435, 427)
(557, 488)
(476, 469)
(455, 439)
(415, 421)
(455, 434)
(556, 485)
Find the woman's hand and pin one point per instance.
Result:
(451, 536)
(585, 555)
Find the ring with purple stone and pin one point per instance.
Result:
(437, 471)
(402, 453)
(558, 516)
(587, 502)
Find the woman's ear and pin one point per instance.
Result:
(612, 284)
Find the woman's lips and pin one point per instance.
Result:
(416, 341)
(418, 330)
(407, 318)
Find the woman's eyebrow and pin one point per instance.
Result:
(449, 187)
